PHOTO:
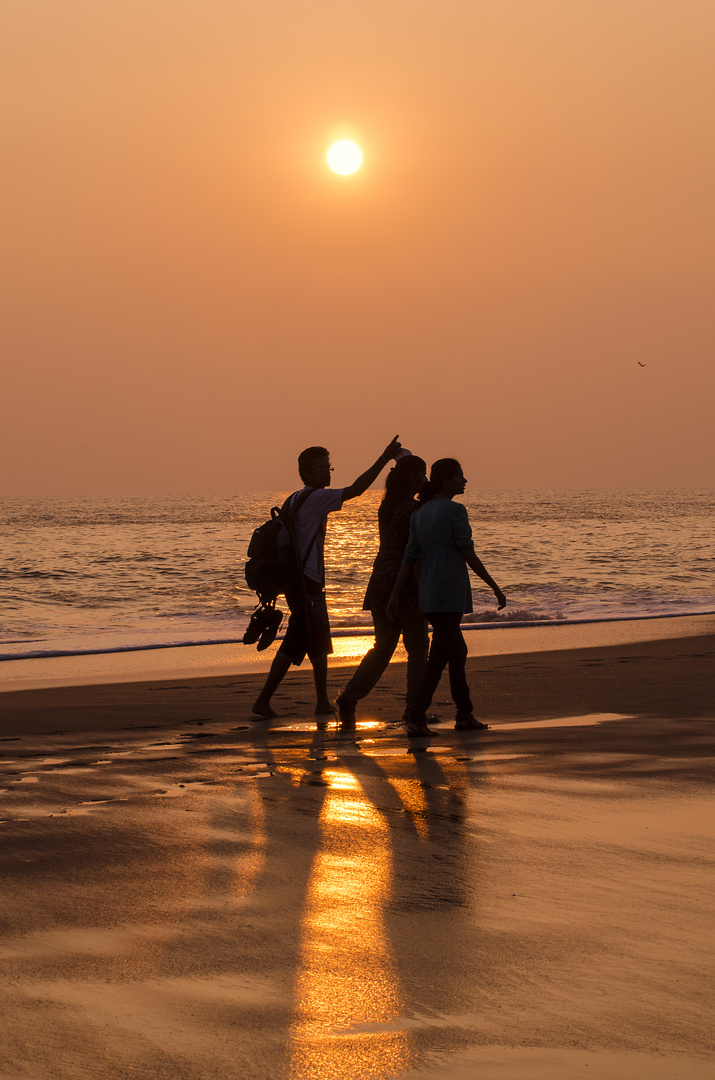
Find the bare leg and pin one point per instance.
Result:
(279, 667)
(320, 675)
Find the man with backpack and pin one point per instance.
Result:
(308, 626)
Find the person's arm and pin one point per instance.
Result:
(360, 486)
(476, 564)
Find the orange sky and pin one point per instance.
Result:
(190, 296)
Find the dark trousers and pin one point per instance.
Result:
(413, 627)
(448, 647)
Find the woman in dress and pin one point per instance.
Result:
(402, 484)
(441, 541)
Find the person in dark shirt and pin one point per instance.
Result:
(403, 482)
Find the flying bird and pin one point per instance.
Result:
(641, 365)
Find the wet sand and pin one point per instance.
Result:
(661, 677)
(192, 893)
(229, 659)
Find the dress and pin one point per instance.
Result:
(411, 623)
(440, 536)
(393, 540)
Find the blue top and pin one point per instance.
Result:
(439, 534)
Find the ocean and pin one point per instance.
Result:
(89, 575)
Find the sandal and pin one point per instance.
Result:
(415, 730)
(470, 724)
(274, 618)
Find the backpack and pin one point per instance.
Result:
(272, 564)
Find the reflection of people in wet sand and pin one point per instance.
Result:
(402, 484)
(308, 627)
(441, 540)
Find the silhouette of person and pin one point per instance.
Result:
(308, 626)
(402, 484)
(441, 540)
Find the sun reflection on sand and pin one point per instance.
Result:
(248, 868)
(347, 995)
(413, 798)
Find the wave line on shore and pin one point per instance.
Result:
(343, 632)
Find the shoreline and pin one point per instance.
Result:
(205, 661)
(343, 632)
(661, 678)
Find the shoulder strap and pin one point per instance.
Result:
(287, 511)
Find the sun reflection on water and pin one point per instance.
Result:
(347, 994)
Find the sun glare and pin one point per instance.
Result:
(344, 157)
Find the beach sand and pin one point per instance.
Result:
(190, 893)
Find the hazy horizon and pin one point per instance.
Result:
(377, 488)
(520, 274)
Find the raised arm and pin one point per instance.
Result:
(475, 563)
(359, 486)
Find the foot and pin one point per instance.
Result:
(324, 708)
(346, 713)
(263, 710)
(470, 724)
(417, 727)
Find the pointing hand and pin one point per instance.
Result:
(393, 449)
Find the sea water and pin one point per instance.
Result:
(104, 574)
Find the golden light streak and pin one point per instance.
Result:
(412, 797)
(249, 866)
(347, 994)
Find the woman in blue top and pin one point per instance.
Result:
(441, 541)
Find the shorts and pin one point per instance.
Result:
(308, 626)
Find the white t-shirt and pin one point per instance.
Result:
(310, 521)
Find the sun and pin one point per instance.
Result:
(344, 157)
